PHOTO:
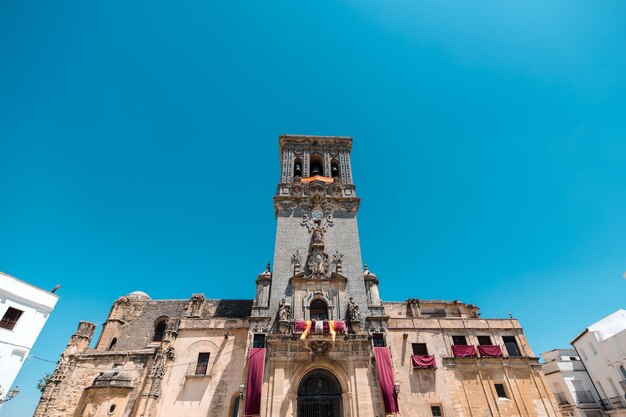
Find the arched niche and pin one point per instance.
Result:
(316, 165)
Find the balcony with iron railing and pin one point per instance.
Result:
(612, 403)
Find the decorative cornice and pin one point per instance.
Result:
(307, 203)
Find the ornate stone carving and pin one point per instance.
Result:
(172, 328)
(196, 305)
(170, 353)
(317, 263)
(318, 347)
(337, 261)
(296, 261)
(157, 372)
(317, 220)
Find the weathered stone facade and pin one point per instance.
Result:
(191, 358)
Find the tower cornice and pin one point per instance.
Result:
(312, 141)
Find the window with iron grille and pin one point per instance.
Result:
(203, 363)
(10, 318)
(378, 340)
(419, 349)
(259, 340)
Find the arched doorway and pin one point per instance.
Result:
(319, 395)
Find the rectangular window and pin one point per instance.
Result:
(10, 318)
(259, 340)
(378, 340)
(459, 340)
(511, 346)
(484, 340)
(420, 349)
(203, 363)
(500, 390)
(436, 410)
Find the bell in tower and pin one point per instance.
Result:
(317, 165)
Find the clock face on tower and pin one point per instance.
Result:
(317, 214)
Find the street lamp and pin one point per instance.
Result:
(396, 385)
(12, 394)
(241, 388)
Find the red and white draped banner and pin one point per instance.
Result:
(255, 382)
(385, 377)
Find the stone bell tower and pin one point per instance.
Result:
(317, 253)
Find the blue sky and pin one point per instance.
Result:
(139, 150)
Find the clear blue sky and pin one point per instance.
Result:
(139, 150)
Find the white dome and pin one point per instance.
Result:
(139, 294)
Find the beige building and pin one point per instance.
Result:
(316, 340)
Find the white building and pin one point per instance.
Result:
(24, 310)
(602, 348)
(570, 383)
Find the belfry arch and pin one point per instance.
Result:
(319, 395)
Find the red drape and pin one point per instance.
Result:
(255, 382)
(490, 350)
(385, 376)
(423, 361)
(463, 351)
(340, 326)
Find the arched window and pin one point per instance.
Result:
(113, 343)
(319, 310)
(297, 168)
(317, 165)
(234, 405)
(334, 168)
(159, 330)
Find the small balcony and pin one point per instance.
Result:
(464, 351)
(423, 361)
(613, 403)
(490, 351)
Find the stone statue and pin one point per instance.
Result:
(353, 310)
(284, 310)
(318, 233)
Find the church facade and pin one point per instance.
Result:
(316, 340)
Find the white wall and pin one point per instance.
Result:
(602, 348)
(15, 345)
(570, 377)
